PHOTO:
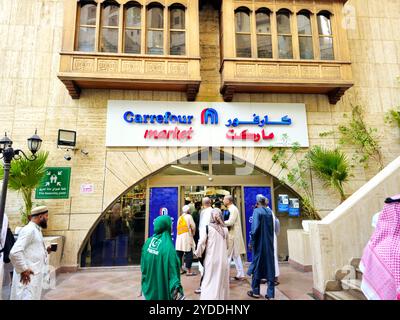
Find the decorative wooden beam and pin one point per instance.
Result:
(73, 89)
(227, 93)
(336, 95)
(191, 92)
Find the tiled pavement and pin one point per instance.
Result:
(124, 284)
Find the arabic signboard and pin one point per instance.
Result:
(55, 184)
(200, 124)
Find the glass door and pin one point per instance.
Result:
(250, 194)
(163, 201)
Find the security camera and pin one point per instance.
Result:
(67, 157)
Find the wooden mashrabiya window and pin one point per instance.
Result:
(147, 38)
(108, 26)
(285, 47)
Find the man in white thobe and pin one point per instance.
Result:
(236, 242)
(3, 234)
(205, 217)
(276, 234)
(205, 214)
(29, 257)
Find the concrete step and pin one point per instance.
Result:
(352, 284)
(341, 274)
(355, 262)
(342, 295)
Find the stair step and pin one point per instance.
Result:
(341, 295)
(354, 284)
(355, 262)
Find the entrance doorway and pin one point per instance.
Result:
(194, 194)
(118, 236)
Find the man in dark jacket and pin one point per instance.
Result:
(196, 218)
(262, 245)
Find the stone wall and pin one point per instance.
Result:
(32, 97)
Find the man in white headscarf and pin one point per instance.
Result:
(29, 257)
(3, 234)
(277, 229)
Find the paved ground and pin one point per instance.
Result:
(124, 284)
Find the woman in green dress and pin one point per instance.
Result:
(160, 264)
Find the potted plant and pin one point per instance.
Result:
(25, 176)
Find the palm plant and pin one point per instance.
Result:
(25, 176)
(331, 166)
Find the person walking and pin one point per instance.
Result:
(29, 256)
(277, 230)
(205, 217)
(160, 264)
(236, 242)
(184, 241)
(213, 248)
(196, 219)
(380, 263)
(205, 214)
(3, 235)
(262, 246)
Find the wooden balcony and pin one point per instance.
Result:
(332, 78)
(115, 71)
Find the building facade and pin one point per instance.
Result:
(64, 60)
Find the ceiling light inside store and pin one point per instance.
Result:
(188, 170)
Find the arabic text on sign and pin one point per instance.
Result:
(285, 121)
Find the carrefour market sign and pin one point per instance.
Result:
(200, 124)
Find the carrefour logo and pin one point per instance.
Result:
(209, 114)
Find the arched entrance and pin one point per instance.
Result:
(117, 237)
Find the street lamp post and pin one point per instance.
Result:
(7, 153)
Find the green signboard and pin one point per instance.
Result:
(55, 184)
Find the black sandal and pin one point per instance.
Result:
(251, 294)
